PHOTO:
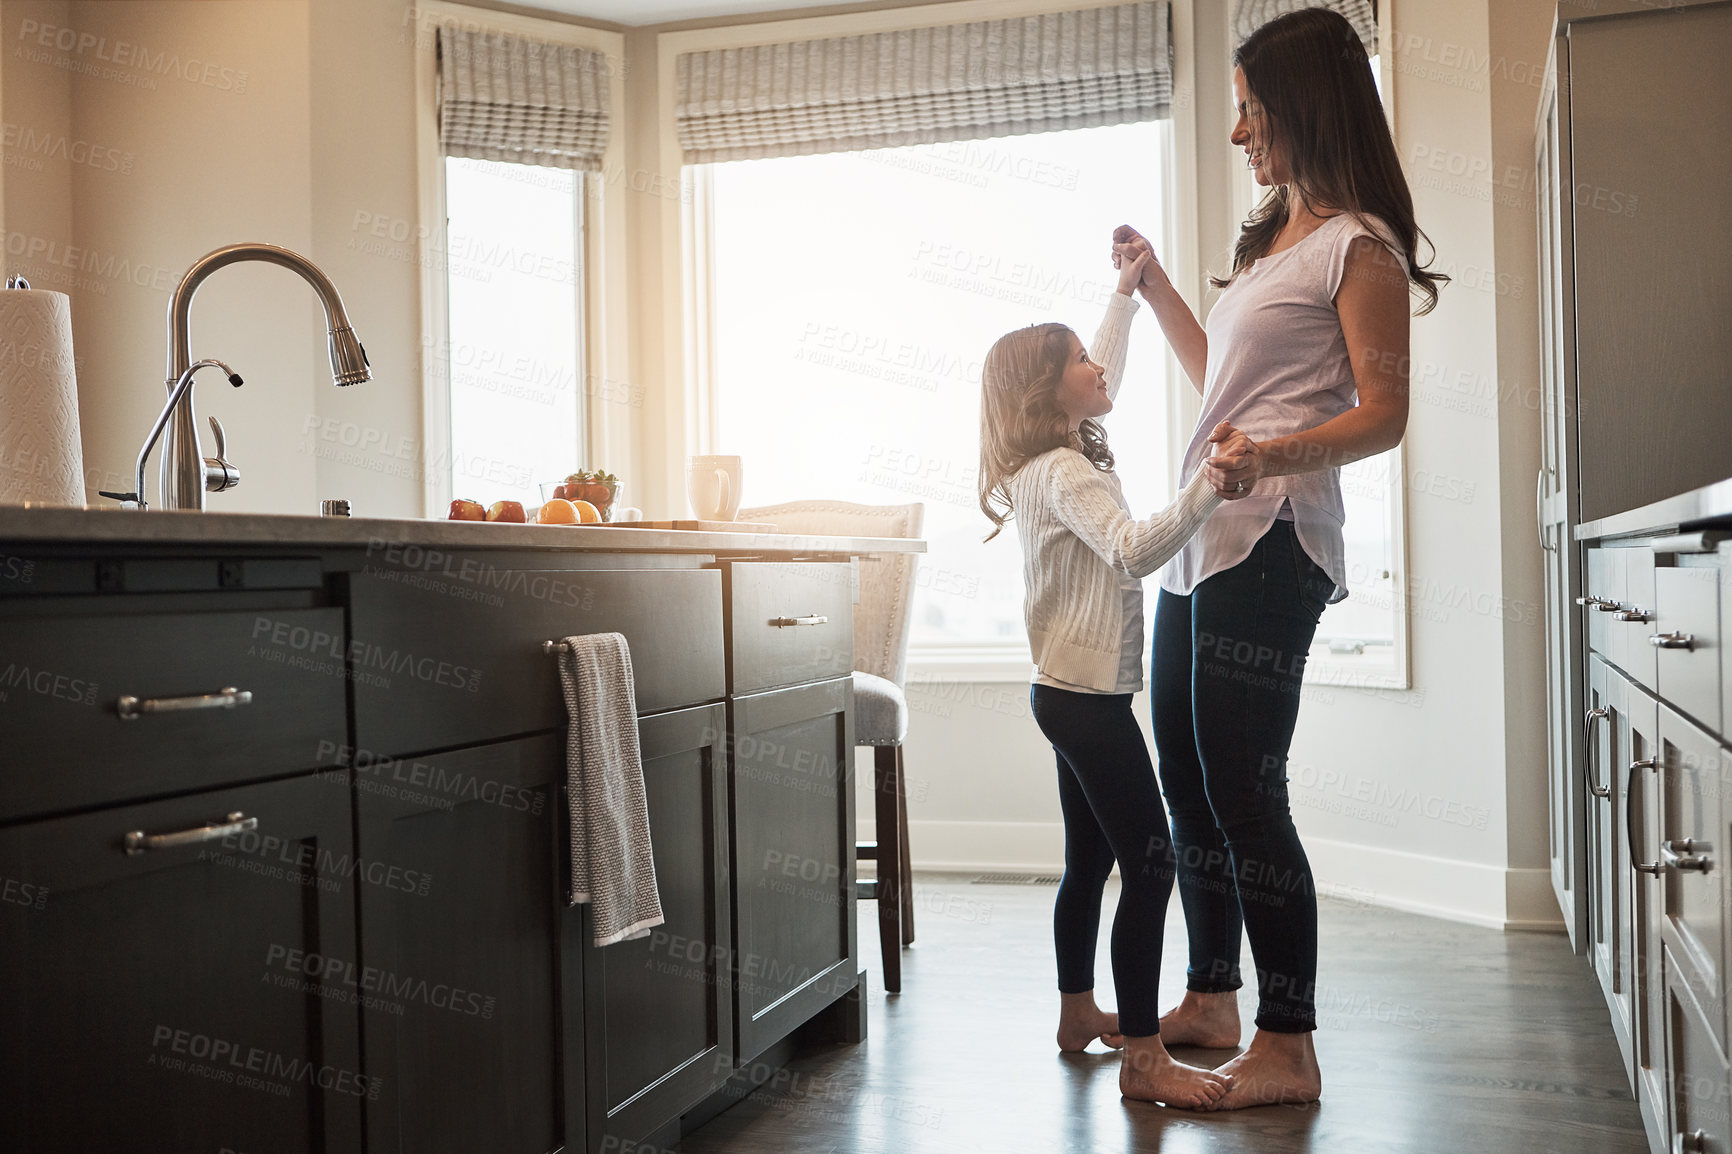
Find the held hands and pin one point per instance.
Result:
(1127, 243)
(1237, 464)
(1130, 262)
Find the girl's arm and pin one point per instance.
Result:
(1373, 305)
(1084, 504)
(1113, 338)
(1179, 325)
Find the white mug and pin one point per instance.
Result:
(713, 485)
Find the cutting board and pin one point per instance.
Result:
(699, 526)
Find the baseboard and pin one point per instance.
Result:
(1496, 897)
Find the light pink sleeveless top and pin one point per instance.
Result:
(1277, 365)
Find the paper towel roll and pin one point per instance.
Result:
(41, 458)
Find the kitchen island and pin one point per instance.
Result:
(283, 831)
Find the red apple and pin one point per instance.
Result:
(506, 511)
(462, 510)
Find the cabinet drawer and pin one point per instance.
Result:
(67, 745)
(440, 663)
(788, 623)
(1636, 620)
(161, 1000)
(1604, 589)
(1687, 624)
(1696, 1076)
(1692, 855)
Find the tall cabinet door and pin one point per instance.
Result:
(1555, 511)
(1640, 742)
(153, 962)
(465, 951)
(793, 831)
(659, 1019)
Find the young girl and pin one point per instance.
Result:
(1044, 457)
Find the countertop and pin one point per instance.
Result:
(1707, 507)
(80, 526)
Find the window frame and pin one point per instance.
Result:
(602, 303)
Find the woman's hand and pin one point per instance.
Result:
(1238, 462)
(1130, 262)
(1128, 240)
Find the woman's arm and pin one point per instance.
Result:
(1178, 324)
(1084, 504)
(1373, 305)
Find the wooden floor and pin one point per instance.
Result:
(1433, 1038)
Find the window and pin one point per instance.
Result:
(855, 296)
(515, 355)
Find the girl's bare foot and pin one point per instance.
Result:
(1148, 1073)
(1275, 1069)
(1207, 1020)
(1080, 1022)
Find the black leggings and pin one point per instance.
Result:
(1112, 811)
(1229, 657)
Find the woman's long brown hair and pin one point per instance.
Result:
(1020, 417)
(1310, 76)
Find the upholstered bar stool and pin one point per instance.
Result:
(881, 622)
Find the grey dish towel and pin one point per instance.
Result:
(611, 865)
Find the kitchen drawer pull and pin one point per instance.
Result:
(1591, 600)
(132, 708)
(1695, 1142)
(137, 841)
(1686, 854)
(1589, 758)
(1630, 816)
(1672, 640)
(1609, 606)
(1635, 614)
(815, 619)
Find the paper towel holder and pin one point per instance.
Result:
(17, 282)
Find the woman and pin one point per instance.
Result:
(1306, 352)
(1044, 456)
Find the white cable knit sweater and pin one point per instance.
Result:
(1078, 536)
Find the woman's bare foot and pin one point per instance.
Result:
(1080, 1022)
(1207, 1020)
(1149, 1074)
(1275, 1069)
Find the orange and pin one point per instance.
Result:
(558, 511)
(587, 513)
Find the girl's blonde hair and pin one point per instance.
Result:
(1020, 417)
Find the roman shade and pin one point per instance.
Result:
(512, 98)
(1080, 69)
(1253, 14)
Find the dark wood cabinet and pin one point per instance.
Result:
(658, 1016)
(175, 998)
(791, 807)
(470, 964)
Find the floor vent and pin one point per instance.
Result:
(1015, 880)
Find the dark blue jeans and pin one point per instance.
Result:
(1112, 812)
(1228, 660)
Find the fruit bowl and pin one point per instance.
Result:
(599, 489)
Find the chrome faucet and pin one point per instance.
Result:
(186, 472)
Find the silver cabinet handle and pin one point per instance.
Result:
(1600, 603)
(1672, 640)
(1608, 606)
(137, 841)
(1686, 854)
(1695, 1142)
(132, 708)
(1635, 614)
(1630, 815)
(1539, 509)
(1590, 758)
(782, 622)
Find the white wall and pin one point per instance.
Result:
(318, 147)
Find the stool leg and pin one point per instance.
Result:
(885, 764)
(902, 837)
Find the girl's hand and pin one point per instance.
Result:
(1238, 462)
(1130, 262)
(1125, 235)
